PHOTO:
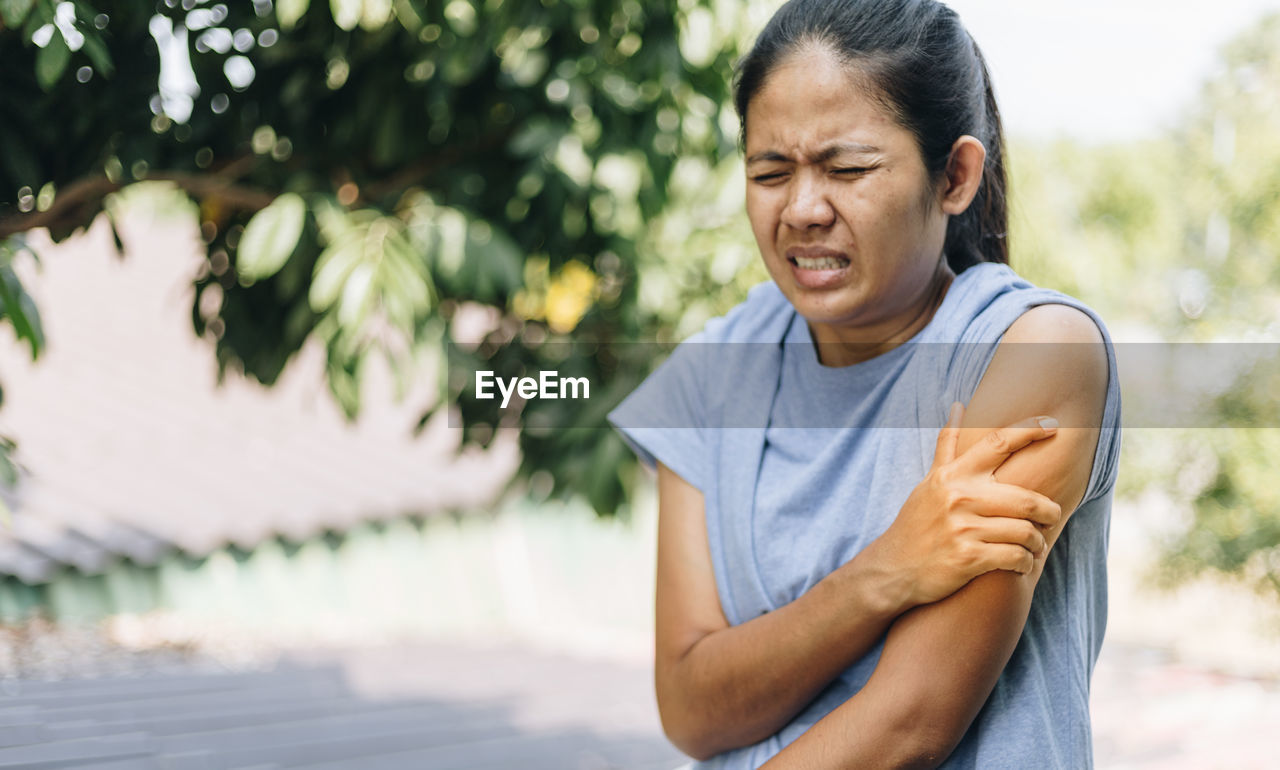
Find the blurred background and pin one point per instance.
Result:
(250, 254)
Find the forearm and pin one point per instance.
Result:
(741, 684)
(913, 711)
(864, 732)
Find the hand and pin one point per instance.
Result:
(960, 522)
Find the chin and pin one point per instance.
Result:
(824, 307)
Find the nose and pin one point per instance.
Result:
(807, 204)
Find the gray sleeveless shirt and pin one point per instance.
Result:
(801, 466)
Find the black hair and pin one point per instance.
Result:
(921, 63)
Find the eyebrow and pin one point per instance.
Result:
(826, 154)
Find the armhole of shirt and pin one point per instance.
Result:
(976, 356)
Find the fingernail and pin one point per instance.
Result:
(1048, 423)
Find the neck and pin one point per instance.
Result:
(844, 346)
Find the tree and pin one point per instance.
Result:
(367, 170)
(1232, 151)
(1179, 234)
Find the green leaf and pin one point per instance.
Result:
(332, 269)
(270, 237)
(21, 311)
(51, 61)
(375, 14)
(333, 221)
(410, 15)
(346, 13)
(14, 11)
(452, 229)
(99, 55)
(356, 294)
(290, 11)
(344, 379)
(41, 13)
(405, 282)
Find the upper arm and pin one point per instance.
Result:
(940, 678)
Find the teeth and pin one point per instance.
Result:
(820, 263)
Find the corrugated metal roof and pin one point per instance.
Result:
(424, 706)
(131, 449)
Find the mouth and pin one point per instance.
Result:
(816, 267)
(816, 258)
(819, 263)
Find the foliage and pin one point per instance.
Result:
(1230, 291)
(1175, 238)
(378, 174)
(367, 171)
(15, 304)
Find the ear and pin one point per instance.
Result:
(964, 174)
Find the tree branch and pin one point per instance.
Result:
(73, 196)
(69, 201)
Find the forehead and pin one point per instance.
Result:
(811, 100)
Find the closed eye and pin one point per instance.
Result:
(766, 178)
(850, 171)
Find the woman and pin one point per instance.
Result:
(839, 585)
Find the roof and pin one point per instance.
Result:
(406, 707)
(132, 450)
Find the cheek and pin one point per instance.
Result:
(900, 216)
(760, 215)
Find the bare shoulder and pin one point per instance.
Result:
(1055, 323)
(1052, 355)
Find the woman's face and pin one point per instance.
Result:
(842, 208)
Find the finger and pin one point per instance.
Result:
(1003, 556)
(1015, 502)
(949, 436)
(995, 447)
(998, 529)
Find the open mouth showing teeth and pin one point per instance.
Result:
(819, 263)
